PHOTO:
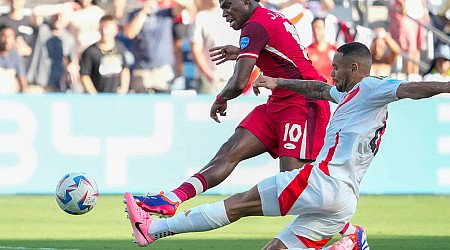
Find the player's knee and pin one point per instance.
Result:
(238, 205)
(235, 205)
(243, 204)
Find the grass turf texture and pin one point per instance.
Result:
(393, 222)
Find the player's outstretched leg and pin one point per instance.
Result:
(241, 145)
(201, 218)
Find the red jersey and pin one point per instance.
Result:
(289, 124)
(269, 37)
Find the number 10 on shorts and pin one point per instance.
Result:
(292, 133)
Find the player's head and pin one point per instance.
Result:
(237, 12)
(351, 64)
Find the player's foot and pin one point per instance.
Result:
(140, 221)
(345, 243)
(360, 239)
(158, 204)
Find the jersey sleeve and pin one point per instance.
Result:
(254, 38)
(386, 92)
(336, 95)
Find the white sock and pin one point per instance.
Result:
(172, 196)
(159, 229)
(350, 230)
(201, 218)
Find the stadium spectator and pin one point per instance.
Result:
(320, 8)
(289, 126)
(24, 28)
(269, 4)
(104, 68)
(12, 68)
(323, 195)
(321, 52)
(440, 66)
(384, 52)
(150, 29)
(54, 65)
(211, 30)
(407, 32)
(181, 24)
(115, 8)
(439, 18)
(302, 13)
(84, 24)
(84, 16)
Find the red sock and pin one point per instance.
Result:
(196, 184)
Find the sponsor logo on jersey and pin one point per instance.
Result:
(289, 146)
(244, 42)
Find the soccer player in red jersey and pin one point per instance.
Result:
(289, 126)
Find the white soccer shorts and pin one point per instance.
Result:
(323, 205)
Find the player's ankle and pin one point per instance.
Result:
(173, 197)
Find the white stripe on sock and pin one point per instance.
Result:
(197, 185)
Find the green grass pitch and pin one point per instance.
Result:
(392, 222)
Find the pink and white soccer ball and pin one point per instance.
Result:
(76, 193)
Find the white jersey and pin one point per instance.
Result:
(355, 130)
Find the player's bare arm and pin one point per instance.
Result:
(221, 54)
(312, 89)
(234, 88)
(419, 90)
(239, 80)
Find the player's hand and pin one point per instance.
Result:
(218, 108)
(264, 81)
(221, 54)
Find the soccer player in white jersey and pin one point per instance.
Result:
(322, 194)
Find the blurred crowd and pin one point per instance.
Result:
(145, 46)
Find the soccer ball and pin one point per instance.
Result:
(76, 193)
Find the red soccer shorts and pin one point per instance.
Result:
(290, 129)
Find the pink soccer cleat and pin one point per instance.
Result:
(345, 243)
(158, 204)
(140, 221)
